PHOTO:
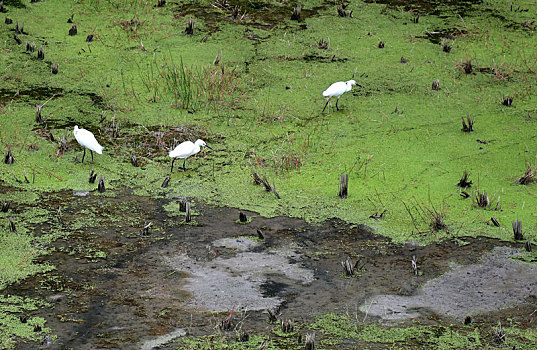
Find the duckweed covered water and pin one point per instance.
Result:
(141, 85)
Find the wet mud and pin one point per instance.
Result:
(258, 14)
(116, 288)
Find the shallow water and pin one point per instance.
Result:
(149, 289)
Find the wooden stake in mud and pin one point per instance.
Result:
(5, 207)
(517, 229)
(446, 47)
(25, 177)
(436, 85)
(272, 316)
(322, 45)
(287, 326)
(465, 181)
(342, 12)
(296, 14)
(92, 176)
(188, 218)
(54, 68)
(165, 182)
(8, 20)
(8, 159)
(343, 185)
(310, 341)
(348, 266)
(19, 30)
(507, 101)
(12, 226)
(217, 59)
(17, 39)
(182, 206)
(527, 245)
(499, 334)
(40, 53)
(89, 38)
(145, 230)
(39, 108)
(189, 30)
(467, 127)
(161, 3)
(415, 265)
(225, 324)
(100, 186)
(467, 320)
(242, 217)
(30, 47)
(134, 161)
(74, 30)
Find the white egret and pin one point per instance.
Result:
(86, 139)
(185, 150)
(337, 89)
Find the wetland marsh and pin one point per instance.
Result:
(124, 269)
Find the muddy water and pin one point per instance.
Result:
(185, 278)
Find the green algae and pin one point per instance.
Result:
(17, 254)
(15, 325)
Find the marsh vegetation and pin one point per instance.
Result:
(106, 248)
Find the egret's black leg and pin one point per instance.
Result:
(337, 108)
(173, 160)
(325, 105)
(184, 161)
(83, 156)
(91, 155)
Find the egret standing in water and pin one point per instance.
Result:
(86, 139)
(186, 149)
(337, 89)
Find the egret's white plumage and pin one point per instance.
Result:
(86, 139)
(186, 149)
(336, 90)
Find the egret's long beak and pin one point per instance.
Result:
(359, 85)
(209, 147)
